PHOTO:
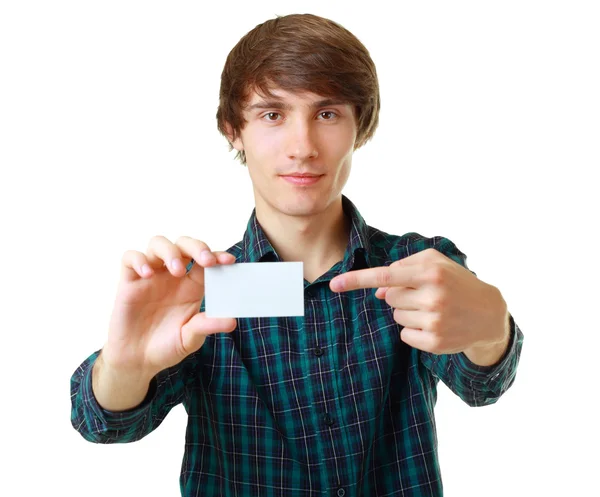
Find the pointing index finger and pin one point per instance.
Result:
(377, 277)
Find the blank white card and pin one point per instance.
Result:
(254, 289)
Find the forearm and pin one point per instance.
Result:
(115, 390)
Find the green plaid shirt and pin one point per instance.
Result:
(331, 403)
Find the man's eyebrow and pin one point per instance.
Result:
(279, 104)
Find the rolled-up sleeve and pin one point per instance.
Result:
(99, 425)
(478, 385)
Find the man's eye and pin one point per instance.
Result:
(330, 113)
(271, 114)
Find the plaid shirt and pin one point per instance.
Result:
(331, 403)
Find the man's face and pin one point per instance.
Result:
(297, 133)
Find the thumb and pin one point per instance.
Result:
(194, 332)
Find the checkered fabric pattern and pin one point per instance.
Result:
(332, 403)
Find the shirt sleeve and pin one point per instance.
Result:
(98, 425)
(476, 385)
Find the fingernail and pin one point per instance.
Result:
(176, 264)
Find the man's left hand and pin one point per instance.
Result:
(444, 308)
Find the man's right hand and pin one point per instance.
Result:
(156, 321)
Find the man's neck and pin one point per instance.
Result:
(318, 241)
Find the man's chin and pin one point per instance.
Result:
(300, 206)
(296, 203)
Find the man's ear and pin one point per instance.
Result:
(237, 143)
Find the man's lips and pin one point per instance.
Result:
(302, 179)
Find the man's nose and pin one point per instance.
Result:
(301, 142)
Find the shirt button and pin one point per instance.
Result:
(318, 351)
(341, 492)
(327, 419)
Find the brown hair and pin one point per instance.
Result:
(299, 52)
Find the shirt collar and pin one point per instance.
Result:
(257, 248)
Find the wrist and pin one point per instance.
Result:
(490, 353)
(125, 368)
(118, 389)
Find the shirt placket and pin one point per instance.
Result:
(328, 421)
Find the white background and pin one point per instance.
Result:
(489, 135)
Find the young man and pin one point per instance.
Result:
(341, 400)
